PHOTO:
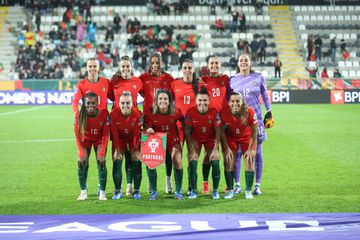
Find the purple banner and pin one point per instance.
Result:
(36, 97)
(183, 226)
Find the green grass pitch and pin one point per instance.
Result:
(311, 165)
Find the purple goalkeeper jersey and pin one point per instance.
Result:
(251, 87)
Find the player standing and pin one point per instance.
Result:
(154, 80)
(124, 81)
(217, 86)
(91, 128)
(251, 86)
(126, 122)
(93, 83)
(202, 128)
(163, 118)
(240, 123)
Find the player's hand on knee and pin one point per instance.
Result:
(118, 155)
(193, 156)
(215, 155)
(249, 156)
(82, 162)
(229, 156)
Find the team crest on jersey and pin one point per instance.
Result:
(222, 83)
(210, 121)
(101, 123)
(254, 83)
(164, 82)
(132, 123)
(134, 86)
(104, 89)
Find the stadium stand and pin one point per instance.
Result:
(285, 28)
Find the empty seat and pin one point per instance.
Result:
(348, 64)
(352, 73)
(340, 18)
(302, 27)
(345, 74)
(327, 18)
(299, 18)
(356, 64)
(320, 18)
(297, 9)
(341, 64)
(306, 18)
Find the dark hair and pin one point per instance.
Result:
(126, 58)
(202, 90)
(155, 108)
(237, 66)
(194, 77)
(82, 118)
(243, 107)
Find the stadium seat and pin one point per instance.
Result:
(348, 64)
(358, 73)
(306, 18)
(345, 74)
(299, 18)
(340, 18)
(347, 18)
(352, 73)
(310, 9)
(312, 64)
(324, 9)
(327, 18)
(313, 18)
(317, 9)
(304, 9)
(333, 18)
(346, 36)
(320, 18)
(297, 9)
(341, 64)
(354, 18)
(356, 64)
(331, 74)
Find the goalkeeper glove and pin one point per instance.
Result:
(269, 120)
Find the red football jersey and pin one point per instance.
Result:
(97, 131)
(234, 128)
(184, 95)
(100, 88)
(164, 123)
(151, 85)
(203, 126)
(126, 129)
(118, 86)
(217, 88)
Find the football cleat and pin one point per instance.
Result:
(102, 195)
(205, 188)
(193, 195)
(215, 195)
(179, 196)
(237, 189)
(117, 195)
(189, 190)
(257, 190)
(248, 195)
(153, 195)
(82, 196)
(229, 195)
(168, 185)
(129, 190)
(137, 195)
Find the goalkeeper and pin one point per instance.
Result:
(252, 85)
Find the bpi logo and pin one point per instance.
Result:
(337, 97)
(153, 145)
(280, 96)
(352, 96)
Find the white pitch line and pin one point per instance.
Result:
(39, 140)
(22, 110)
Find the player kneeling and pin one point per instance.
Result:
(126, 122)
(240, 128)
(91, 129)
(202, 128)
